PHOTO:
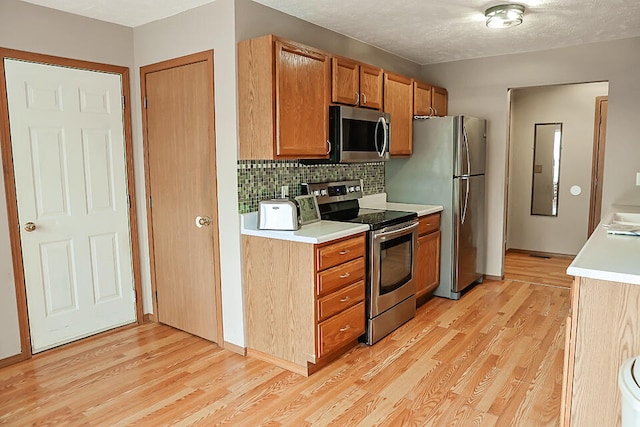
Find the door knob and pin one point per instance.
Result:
(29, 227)
(203, 221)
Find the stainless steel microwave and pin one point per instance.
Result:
(358, 135)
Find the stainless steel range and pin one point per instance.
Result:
(391, 241)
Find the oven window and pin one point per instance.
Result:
(395, 263)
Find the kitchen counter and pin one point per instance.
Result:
(317, 232)
(379, 201)
(610, 257)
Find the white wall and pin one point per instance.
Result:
(574, 107)
(27, 27)
(479, 87)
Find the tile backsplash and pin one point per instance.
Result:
(262, 179)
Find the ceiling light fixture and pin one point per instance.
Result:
(504, 15)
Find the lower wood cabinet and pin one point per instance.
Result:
(304, 303)
(602, 333)
(427, 260)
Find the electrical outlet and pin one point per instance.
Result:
(638, 178)
(284, 191)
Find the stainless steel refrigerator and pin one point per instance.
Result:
(447, 168)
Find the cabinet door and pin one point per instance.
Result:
(439, 99)
(344, 81)
(370, 87)
(302, 101)
(398, 101)
(427, 271)
(421, 99)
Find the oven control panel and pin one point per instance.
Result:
(328, 192)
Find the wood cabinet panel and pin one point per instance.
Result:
(421, 99)
(340, 329)
(370, 87)
(339, 276)
(339, 252)
(398, 101)
(429, 224)
(302, 89)
(345, 78)
(606, 324)
(283, 99)
(439, 101)
(428, 268)
(340, 300)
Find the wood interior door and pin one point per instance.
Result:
(180, 143)
(597, 163)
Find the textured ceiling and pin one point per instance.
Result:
(424, 31)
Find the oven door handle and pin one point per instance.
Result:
(394, 233)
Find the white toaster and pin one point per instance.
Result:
(278, 214)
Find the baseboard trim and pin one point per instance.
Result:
(538, 253)
(285, 364)
(498, 278)
(11, 360)
(149, 318)
(242, 351)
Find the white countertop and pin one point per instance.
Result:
(609, 257)
(317, 232)
(379, 201)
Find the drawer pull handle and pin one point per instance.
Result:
(345, 275)
(346, 251)
(345, 299)
(346, 328)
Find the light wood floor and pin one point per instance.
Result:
(531, 269)
(492, 358)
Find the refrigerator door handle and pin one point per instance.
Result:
(466, 146)
(463, 216)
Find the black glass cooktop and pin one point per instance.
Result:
(376, 218)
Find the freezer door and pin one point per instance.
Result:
(470, 145)
(468, 251)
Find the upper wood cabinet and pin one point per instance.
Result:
(283, 99)
(356, 84)
(429, 100)
(398, 101)
(439, 100)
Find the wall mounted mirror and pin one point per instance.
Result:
(546, 168)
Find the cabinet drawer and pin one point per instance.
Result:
(340, 329)
(429, 224)
(337, 253)
(340, 300)
(340, 276)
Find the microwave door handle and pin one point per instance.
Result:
(375, 136)
(385, 130)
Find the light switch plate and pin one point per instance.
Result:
(638, 178)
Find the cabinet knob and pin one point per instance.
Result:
(345, 275)
(357, 98)
(364, 99)
(345, 299)
(328, 146)
(346, 328)
(346, 251)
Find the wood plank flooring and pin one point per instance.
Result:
(546, 271)
(493, 358)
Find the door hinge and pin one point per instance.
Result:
(129, 201)
(123, 102)
(133, 292)
(145, 101)
(156, 296)
(149, 202)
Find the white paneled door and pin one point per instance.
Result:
(67, 138)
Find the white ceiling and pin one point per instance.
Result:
(424, 31)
